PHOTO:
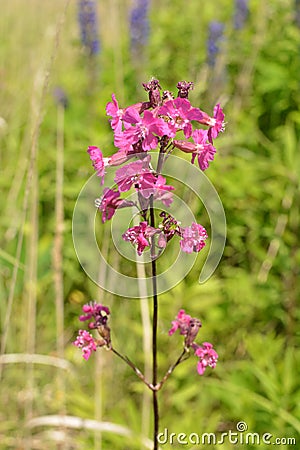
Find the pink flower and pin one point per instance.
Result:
(113, 110)
(145, 129)
(129, 174)
(178, 114)
(95, 311)
(207, 357)
(138, 174)
(161, 191)
(182, 322)
(140, 235)
(204, 150)
(109, 202)
(99, 163)
(193, 238)
(86, 342)
(118, 158)
(216, 123)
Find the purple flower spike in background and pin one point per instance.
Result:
(139, 26)
(215, 37)
(60, 97)
(88, 22)
(241, 13)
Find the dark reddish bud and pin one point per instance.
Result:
(183, 88)
(153, 87)
(193, 329)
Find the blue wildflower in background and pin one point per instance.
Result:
(241, 13)
(215, 37)
(88, 22)
(60, 97)
(139, 26)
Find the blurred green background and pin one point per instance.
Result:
(248, 307)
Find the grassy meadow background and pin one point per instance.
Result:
(249, 307)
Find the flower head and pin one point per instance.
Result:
(109, 202)
(217, 123)
(113, 110)
(193, 238)
(201, 148)
(181, 322)
(207, 357)
(140, 235)
(178, 114)
(146, 129)
(95, 311)
(161, 191)
(99, 163)
(86, 342)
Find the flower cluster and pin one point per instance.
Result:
(189, 328)
(166, 123)
(97, 315)
(86, 342)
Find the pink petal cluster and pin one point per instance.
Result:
(207, 357)
(113, 110)
(97, 315)
(142, 127)
(110, 202)
(146, 182)
(99, 163)
(86, 342)
(181, 322)
(137, 129)
(193, 238)
(178, 114)
(140, 235)
(146, 129)
(95, 311)
(201, 148)
(205, 352)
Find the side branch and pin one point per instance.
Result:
(184, 355)
(134, 368)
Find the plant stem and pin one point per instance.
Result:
(134, 368)
(154, 329)
(181, 358)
